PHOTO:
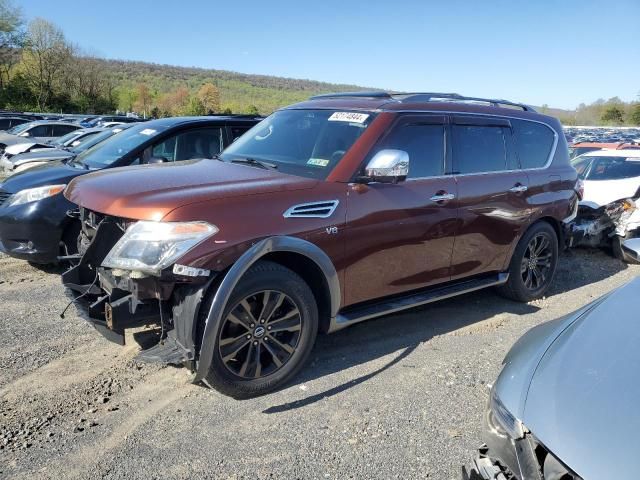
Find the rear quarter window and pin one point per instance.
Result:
(534, 142)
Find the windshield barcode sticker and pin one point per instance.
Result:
(318, 162)
(348, 117)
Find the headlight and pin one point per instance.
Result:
(34, 194)
(502, 419)
(152, 246)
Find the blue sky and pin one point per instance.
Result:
(538, 51)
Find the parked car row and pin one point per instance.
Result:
(243, 238)
(602, 134)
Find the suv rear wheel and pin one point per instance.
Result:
(533, 264)
(266, 333)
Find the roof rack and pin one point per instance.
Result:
(424, 97)
(374, 94)
(456, 97)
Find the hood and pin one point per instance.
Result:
(44, 155)
(584, 396)
(18, 148)
(53, 173)
(598, 193)
(150, 192)
(8, 139)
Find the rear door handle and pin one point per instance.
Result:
(441, 197)
(519, 188)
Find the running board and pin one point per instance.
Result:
(367, 312)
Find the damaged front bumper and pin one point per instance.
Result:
(516, 455)
(115, 300)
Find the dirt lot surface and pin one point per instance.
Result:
(398, 397)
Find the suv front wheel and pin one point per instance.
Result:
(533, 264)
(266, 333)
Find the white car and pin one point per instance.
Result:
(609, 211)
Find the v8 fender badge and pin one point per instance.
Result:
(331, 230)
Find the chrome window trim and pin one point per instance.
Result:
(551, 154)
(289, 213)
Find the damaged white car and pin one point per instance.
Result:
(609, 212)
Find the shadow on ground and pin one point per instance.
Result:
(405, 331)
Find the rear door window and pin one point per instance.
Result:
(534, 142)
(479, 148)
(237, 132)
(60, 130)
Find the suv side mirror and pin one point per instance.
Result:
(388, 166)
(157, 160)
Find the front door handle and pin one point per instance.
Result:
(518, 188)
(442, 197)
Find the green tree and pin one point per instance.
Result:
(612, 115)
(252, 110)
(634, 116)
(11, 39)
(44, 59)
(209, 97)
(227, 111)
(195, 107)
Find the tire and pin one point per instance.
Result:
(524, 284)
(616, 247)
(266, 286)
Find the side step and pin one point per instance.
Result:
(367, 312)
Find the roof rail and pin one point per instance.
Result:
(374, 94)
(456, 97)
(423, 97)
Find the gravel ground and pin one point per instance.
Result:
(398, 397)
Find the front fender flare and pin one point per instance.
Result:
(240, 267)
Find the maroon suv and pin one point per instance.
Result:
(332, 211)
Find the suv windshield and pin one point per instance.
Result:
(113, 149)
(607, 168)
(59, 142)
(19, 128)
(309, 143)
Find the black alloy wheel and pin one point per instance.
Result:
(535, 267)
(260, 334)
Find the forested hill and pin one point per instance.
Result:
(237, 90)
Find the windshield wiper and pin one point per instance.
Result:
(257, 163)
(73, 161)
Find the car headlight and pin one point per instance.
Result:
(502, 419)
(34, 194)
(150, 247)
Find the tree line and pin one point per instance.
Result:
(40, 70)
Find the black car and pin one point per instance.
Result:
(34, 224)
(9, 122)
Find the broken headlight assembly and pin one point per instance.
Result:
(34, 194)
(150, 247)
(502, 419)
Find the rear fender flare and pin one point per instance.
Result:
(240, 267)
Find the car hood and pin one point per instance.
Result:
(18, 148)
(598, 193)
(52, 173)
(583, 398)
(150, 192)
(9, 139)
(44, 155)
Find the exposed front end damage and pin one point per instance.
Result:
(114, 300)
(606, 226)
(512, 452)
